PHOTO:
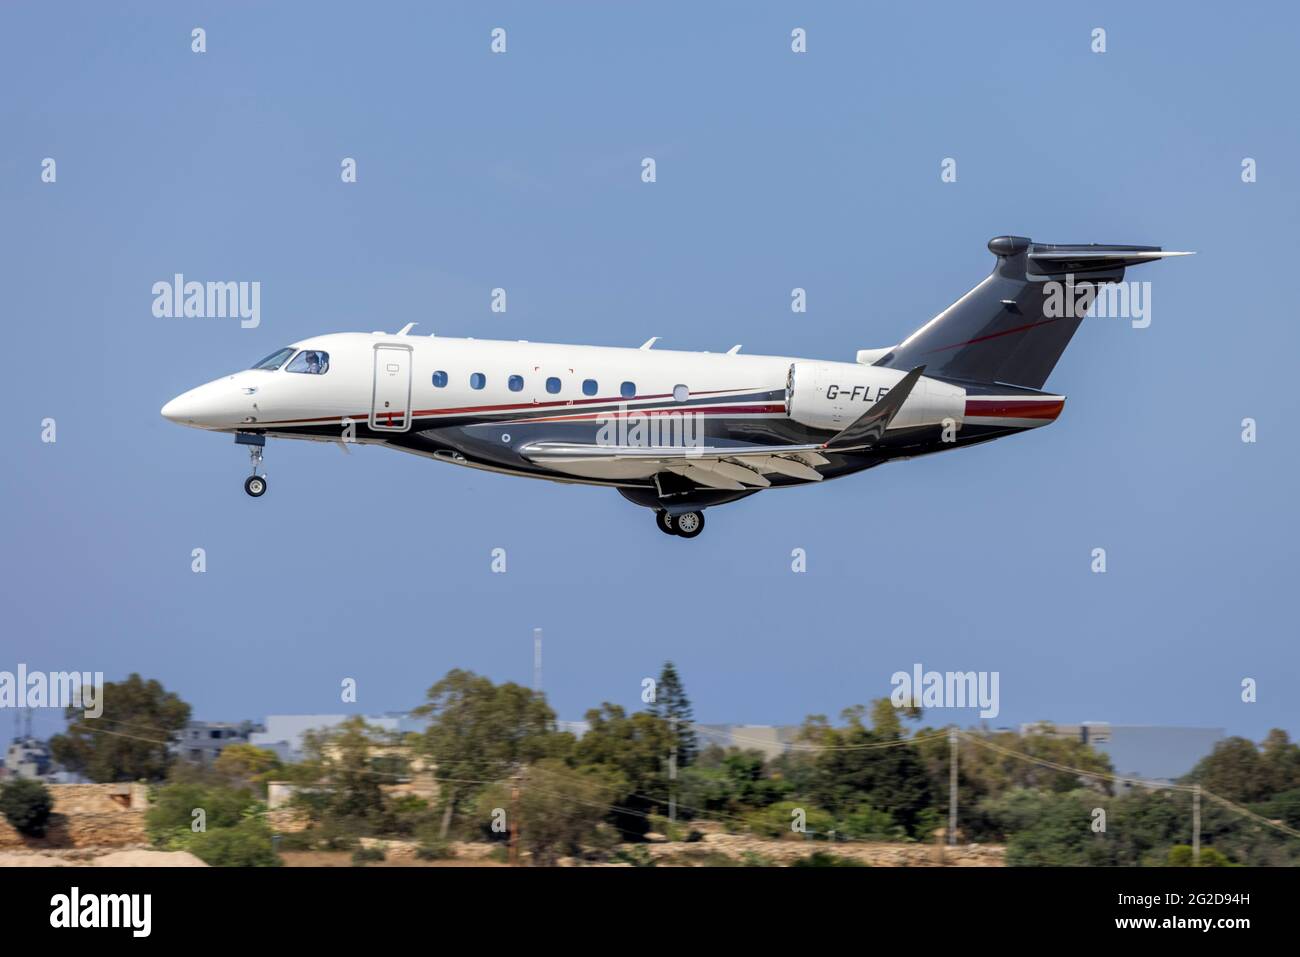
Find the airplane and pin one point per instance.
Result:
(680, 432)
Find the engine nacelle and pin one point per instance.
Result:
(834, 395)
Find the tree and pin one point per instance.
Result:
(1234, 770)
(247, 764)
(248, 844)
(130, 740)
(26, 804)
(480, 732)
(354, 785)
(672, 705)
(858, 766)
(171, 817)
(637, 747)
(559, 809)
(1281, 760)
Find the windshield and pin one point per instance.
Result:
(275, 359)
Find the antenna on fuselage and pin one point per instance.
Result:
(649, 342)
(734, 349)
(407, 328)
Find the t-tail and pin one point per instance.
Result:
(1012, 328)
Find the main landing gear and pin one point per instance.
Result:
(684, 525)
(254, 485)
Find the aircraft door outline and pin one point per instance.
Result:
(390, 402)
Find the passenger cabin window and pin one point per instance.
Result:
(681, 393)
(310, 361)
(553, 385)
(275, 360)
(516, 383)
(589, 387)
(440, 380)
(627, 390)
(477, 381)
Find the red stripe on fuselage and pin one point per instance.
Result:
(1015, 409)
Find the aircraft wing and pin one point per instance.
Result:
(722, 467)
(732, 467)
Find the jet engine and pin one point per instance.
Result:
(834, 395)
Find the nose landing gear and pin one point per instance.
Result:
(254, 485)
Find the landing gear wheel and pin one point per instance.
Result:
(689, 524)
(255, 485)
(665, 523)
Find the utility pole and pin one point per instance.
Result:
(952, 786)
(672, 774)
(1196, 827)
(537, 660)
(514, 820)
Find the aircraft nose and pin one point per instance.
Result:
(216, 405)
(172, 411)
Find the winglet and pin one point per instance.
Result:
(870, 428)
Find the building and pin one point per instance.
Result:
(1149, 752)
(284, 733)
(201, 742)
(772, 740)
(28, 758)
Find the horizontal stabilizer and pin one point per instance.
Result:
(1002, 331)
(1054, 260)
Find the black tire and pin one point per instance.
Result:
(665, 523)
(689, 524)
(255, 485)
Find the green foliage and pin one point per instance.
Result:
(354, 783)
(777, 821)
(404, 816)
(434, 850)
(479, 731)
(865, 823)
(673, 707)
(851, 772)
(1050, 829)
(636, 747)
(367, 855)
(1181, 855)
(247, 765)
(559, 808)
(638, 855)
(1283, 806)
(129, 741)
(170, 818)
(297, 841)
(698, 857)
(823, 859)
(26, 804)
(1239, 771)
(247, 844)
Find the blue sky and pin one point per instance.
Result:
(775, 170)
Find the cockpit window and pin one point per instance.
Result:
(274, 360)
(310, 361)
